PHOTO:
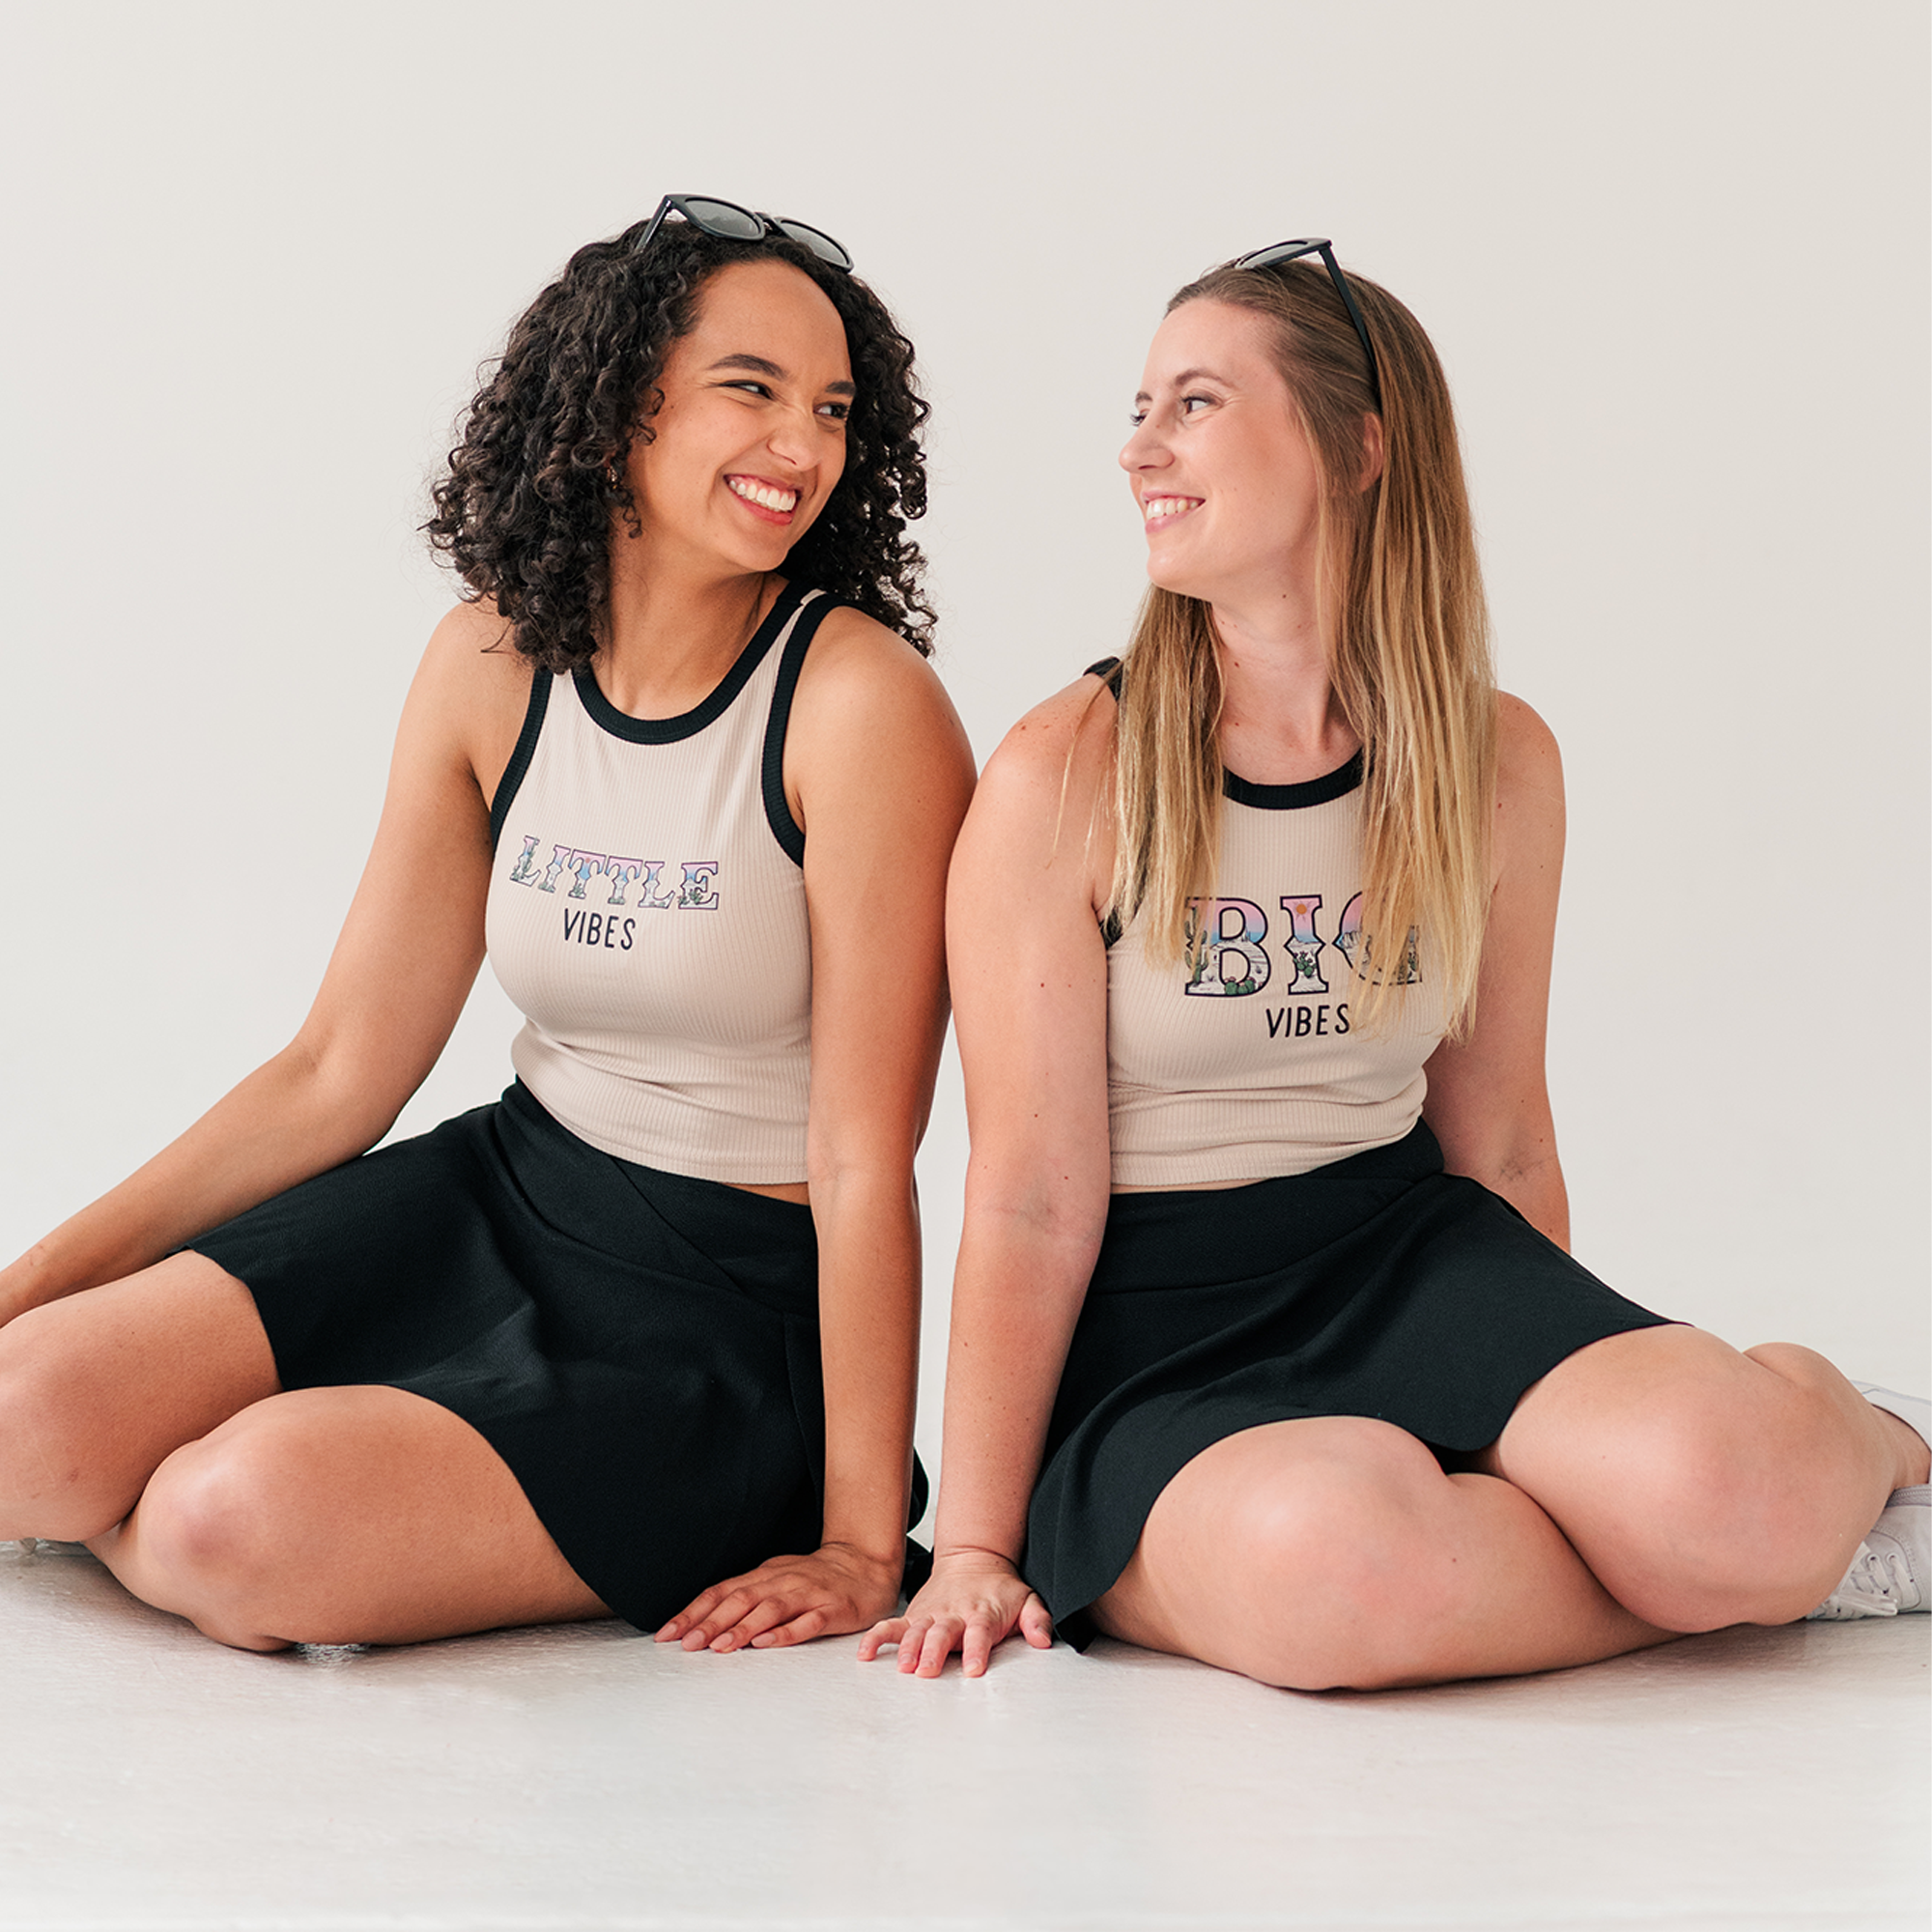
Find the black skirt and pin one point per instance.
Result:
(642, 1348)
(1377, 1286)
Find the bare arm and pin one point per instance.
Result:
(878, 772)
(884, 776)
(1030, 982)
(396, 984)
(1488, 1100)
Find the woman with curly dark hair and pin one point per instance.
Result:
(639, 1338)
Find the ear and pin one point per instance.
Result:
(1375, 453)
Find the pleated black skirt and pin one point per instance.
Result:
(641, 1347)
(1378, 1286)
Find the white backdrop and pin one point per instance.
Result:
(1674, 256)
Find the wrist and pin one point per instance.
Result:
(891, 1561)
(869, 1523)
(977, 1533)
(973, 1557)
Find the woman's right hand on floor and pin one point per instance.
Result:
(973, 1601)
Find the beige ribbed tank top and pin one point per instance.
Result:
(1243, 1061)
(647, 913)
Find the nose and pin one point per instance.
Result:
(1145, 449)
(794, 438)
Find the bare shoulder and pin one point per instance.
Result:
(1528, 760)
(1043, 799)
(472, 652)
(472, 689)
(870, 715)
(858, 668)
(1529, 791)
(1062, 746)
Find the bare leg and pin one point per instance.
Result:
(145, 1418)
(98, 1389)
(1703, 1485)
(343, 1516)
(1335, 1552)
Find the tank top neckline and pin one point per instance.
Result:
(707, 710)
(1338, 783)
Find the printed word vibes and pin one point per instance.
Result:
(639, 885)
(1227, 958)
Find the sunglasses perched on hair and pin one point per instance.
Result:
(1293, 251)
(730, 222)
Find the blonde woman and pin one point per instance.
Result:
(1267, 1348)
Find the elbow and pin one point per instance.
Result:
(1534, 1187)
(1060, 1227)
(870, 1167)
(348, 1104)
(1543, 1202)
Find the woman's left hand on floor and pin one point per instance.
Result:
(789, 1599)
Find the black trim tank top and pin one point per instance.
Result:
(1244, 1060)
(647, 915)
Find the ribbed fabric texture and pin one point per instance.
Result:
(646, 918)
(1244, 1061)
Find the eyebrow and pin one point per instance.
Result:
(1185, 377)
(759, 367)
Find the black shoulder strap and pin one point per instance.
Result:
(786, 829)
(1108, 670)
(512, 779)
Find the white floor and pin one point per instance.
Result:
(1751, 1782)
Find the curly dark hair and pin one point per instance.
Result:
(524, 514)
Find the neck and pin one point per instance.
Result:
(676, 625)
(1280, 722)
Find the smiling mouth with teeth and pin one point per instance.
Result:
(1164, 509)
(765, 495)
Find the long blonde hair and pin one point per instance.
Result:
(1411, 663)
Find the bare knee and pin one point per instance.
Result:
(1353, 1614)
(209, 1540)
(1341, 1582)
(51, 1482)
(1703, 1486)
(1733, 1509)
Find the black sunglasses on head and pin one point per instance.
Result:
(1279, 252)
(730, 222)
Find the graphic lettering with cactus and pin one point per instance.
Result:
(1225, 952)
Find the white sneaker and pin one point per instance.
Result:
(1891, 1574)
